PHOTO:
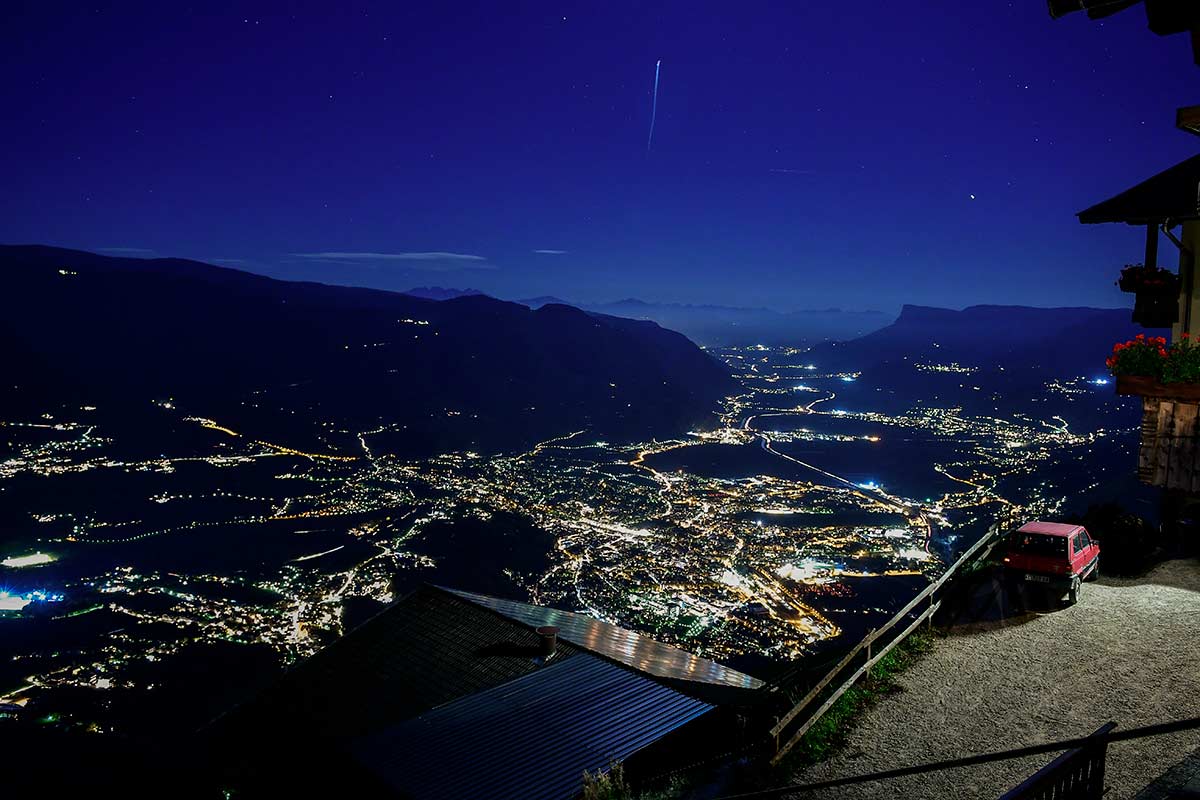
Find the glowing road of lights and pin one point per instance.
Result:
(32, 560)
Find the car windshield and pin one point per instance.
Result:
(1039, 544)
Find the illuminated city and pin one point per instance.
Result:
(764, 536)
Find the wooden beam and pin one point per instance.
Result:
(1149, 440)
(1151, 246)
(1162, 444)
(1182, 457)
(1188, 118)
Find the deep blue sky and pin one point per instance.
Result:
(805, 154)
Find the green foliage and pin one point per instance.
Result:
(676, 788)
(1182, 364)
(608, 785)
(1128, 544)
(611, 785)
(900, 658)
(1151, 357)
(1138, 356)
(830, 731)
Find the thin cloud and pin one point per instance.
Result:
(793, 171)
(130, 250)
(436, 261)
(228, 260)
(435, 256)
(551, 252)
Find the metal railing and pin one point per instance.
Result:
(873, 647)
(1077, 774)
(1101, 739)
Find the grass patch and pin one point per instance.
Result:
(830, 732)
(611, 785)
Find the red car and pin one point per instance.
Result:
(1053, 554)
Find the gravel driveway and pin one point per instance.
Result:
(1129, 651)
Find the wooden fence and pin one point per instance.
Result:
(874, 646)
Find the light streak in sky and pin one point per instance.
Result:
(653, 105)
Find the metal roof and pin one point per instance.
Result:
(428, 649)
(530, 738)
(1050, 528)
(1171, 194)
(632, 649)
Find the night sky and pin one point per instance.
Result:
(804, 155)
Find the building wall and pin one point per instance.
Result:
(1188, 301)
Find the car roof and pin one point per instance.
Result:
(1050, 528)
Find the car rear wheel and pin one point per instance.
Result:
(1073, 592)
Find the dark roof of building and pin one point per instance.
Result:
(439, 656)
(1171, 194)
(618, 644)
(428, 649)
(532, 737)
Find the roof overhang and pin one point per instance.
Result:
(1188, 119)
(1164, 17)
(1173, 194)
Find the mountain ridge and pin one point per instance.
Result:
(470, 372)
(1066, 339)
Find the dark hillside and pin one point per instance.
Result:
(277, 356)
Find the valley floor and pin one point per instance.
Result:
(1128, 651)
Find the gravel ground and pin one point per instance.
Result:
(1129, 651)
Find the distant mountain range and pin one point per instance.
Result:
(1060, 341)
(439, 293)
(305, 359)
(714, 325)
(984, 358)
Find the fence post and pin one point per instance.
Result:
(1099, 758)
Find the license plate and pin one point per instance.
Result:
(1037, 578)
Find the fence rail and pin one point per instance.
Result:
(1097, 738)
(874, 646)
(1077, 774)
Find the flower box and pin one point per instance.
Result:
(1148, 386)
(1156, 294)
(1152, 280)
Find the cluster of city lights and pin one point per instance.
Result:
(749, 559)
(16, 601)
